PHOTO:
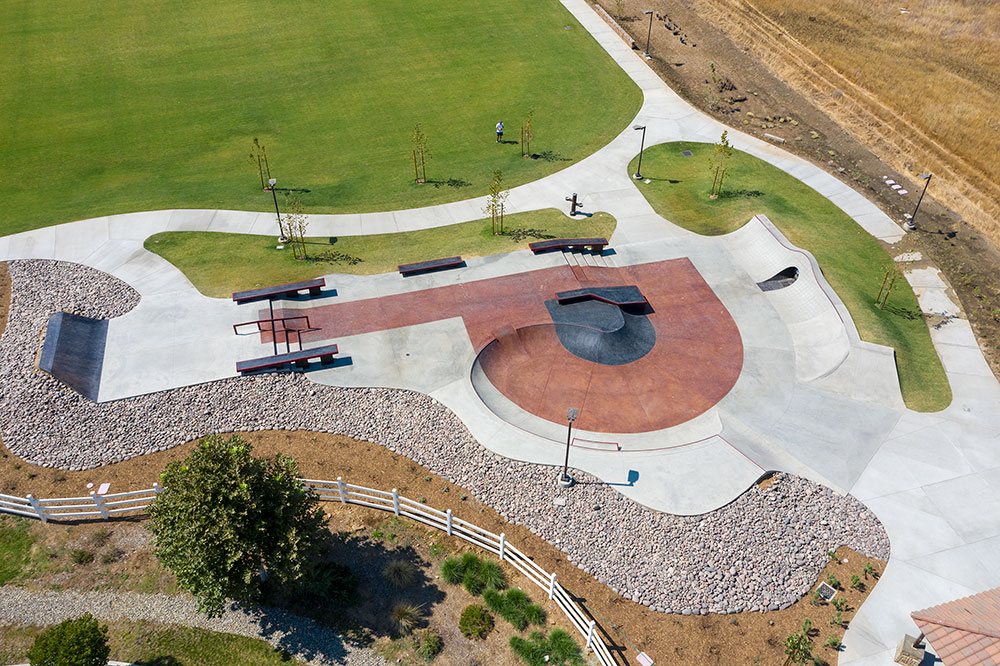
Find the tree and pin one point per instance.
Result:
(295, 224)
(495, 204)
(718, 161)
(527, 134)
(76, 642)
(225, 520)
(420, 154)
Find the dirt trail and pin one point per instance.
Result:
(690, 37)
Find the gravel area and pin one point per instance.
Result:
(300, 637)
(761, 552)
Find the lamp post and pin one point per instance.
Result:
(911, 224)
(642, 145)
(649, 31)
(565, 480)
(281, 232)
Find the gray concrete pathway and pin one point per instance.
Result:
(817, 402)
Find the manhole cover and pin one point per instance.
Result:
(686, 153)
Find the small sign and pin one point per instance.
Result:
(826, 592)
(103, 488)
(644, 659)
(685, 153)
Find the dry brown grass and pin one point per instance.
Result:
(921, 89)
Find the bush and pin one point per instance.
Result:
(475, 622)
(832, 581)
(839, 603)
(80, 556)
(515, 607)
(428, 645)
(332, 582)
(405, 617)
(856, 582)
(832, 642)
(474, 574)
(400, 573)
(76, 642)
(559, 649)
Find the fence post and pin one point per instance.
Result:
(552, 585)
(503, 544)
(100, 505)
(449, 522)
(590, 633)
(156, 488)
(340, 487)
(37, 507)
(395, 500)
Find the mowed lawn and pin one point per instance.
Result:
(116, 107)
(853, 262)
(219, 264)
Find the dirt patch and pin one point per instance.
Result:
(750, 97)
(733, 640)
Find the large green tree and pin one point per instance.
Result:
(225, 519)
(76, 642)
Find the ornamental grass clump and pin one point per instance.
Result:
(405, 617)
(558, 649)
(400, 574)
(515, 607)
(474, 574)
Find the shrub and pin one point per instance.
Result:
(405, 617)
(837, 620)
(839, 603)
(112, 555)
(833, 556)
(333, 582)
(868, 570)
(515, 607)
(81, 556)
(400, 573)
(76, 642)
(832, 642)
(428, 645)
(856, 582)
(817, 599)
(475, 622)
(559, 649)
(832, 581)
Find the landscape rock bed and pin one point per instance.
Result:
(761, 552)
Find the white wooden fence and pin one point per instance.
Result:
(108, 506)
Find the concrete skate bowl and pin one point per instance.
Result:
(530, 373)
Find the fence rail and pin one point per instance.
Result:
(108, 506)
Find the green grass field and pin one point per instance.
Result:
(154, 644)
(111, 108)
(15, 547)
(219, 264)
(852, 261)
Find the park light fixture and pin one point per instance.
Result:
(649, 31)
(911, 223)
(642, 145)
(272, 182)
(565, 480)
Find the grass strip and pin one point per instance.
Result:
(219, 264)
(853, 262)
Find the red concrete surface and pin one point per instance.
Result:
(695, 362)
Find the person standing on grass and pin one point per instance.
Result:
(499, 131)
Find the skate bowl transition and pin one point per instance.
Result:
(629, 367)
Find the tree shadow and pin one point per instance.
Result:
(451, 182)
(372, 605)
(549, 156)
(905, 313)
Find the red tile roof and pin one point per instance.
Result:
(964, 632)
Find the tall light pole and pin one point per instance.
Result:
(911, 224)
(281, 232)
(638, 167)
(564, 479)
(649, 31)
